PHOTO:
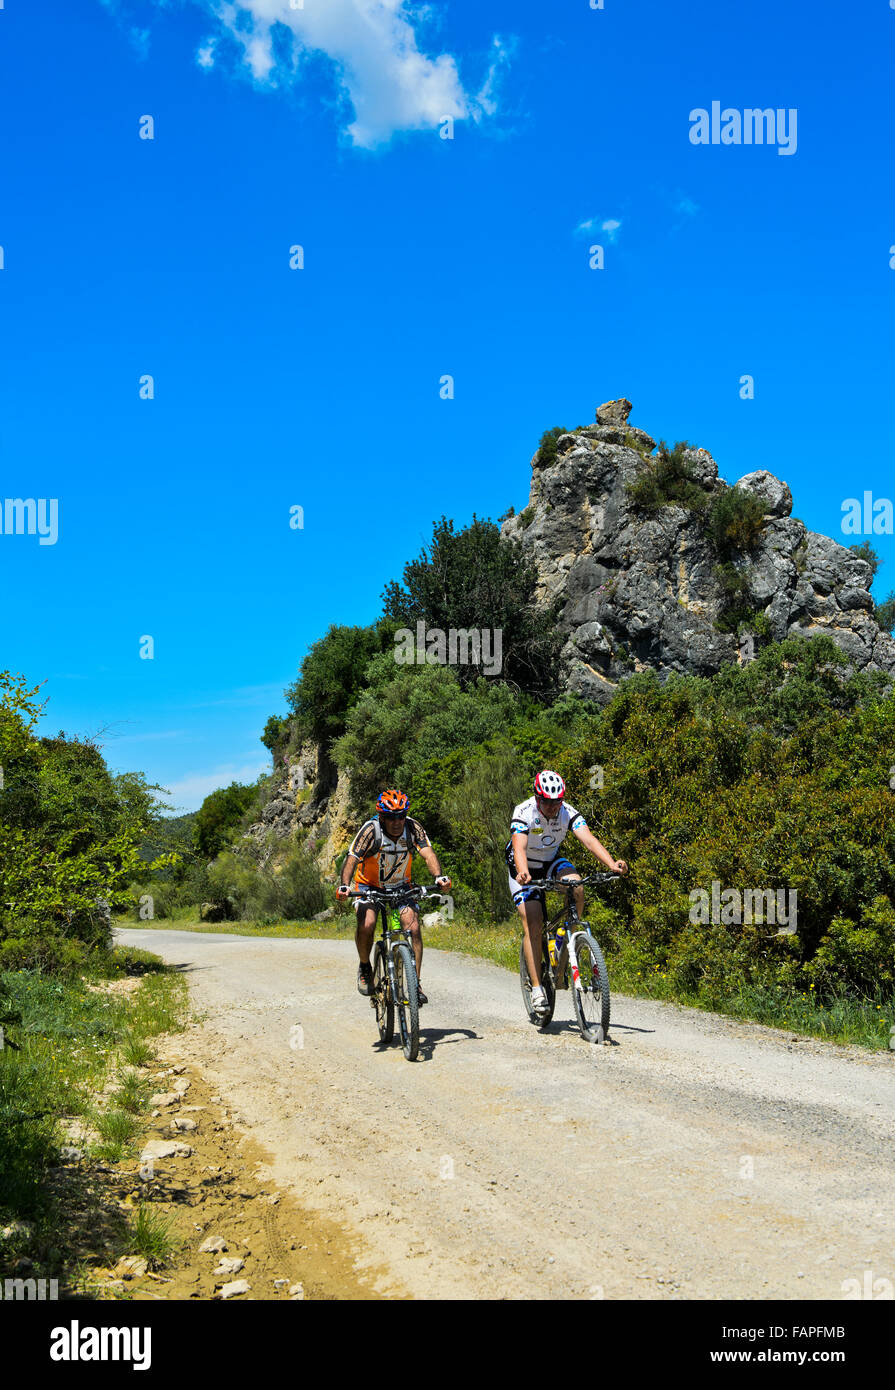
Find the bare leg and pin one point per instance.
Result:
(532, 922)
(579, 892)
(363, 935)
(410, 919)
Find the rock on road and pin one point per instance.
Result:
(696, 1157)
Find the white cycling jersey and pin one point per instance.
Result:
(544, 836)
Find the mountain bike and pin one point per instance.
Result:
(570, 950)
(395, 982)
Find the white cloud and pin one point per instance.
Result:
(189, 793)
(686, 205)
(374, 47)
(610, 228)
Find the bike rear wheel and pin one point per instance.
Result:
(382, 996)
(407, 1000)
(539, 1020)
(591, 990)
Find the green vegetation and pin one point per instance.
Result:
(152, 1237)
(865, 551)
(67, 1037)
(332, 678)
(476, 578)
(547, 445)
(70, 836)
(735, 520)
(885, 612)
(220, 813)
(667, 480)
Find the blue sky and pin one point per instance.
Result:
(423, 257)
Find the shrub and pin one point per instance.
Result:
(219, 816)
(865, 551)
(477, 578)
(243, 889)
(332, 679)
(547, 445)
(735, 521)
(667, 480)
(884, 612)
(478, 810)
(56, 955)
(699, 786)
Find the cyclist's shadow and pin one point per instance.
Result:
(430, 1038)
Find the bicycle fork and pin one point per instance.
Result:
(573, 960)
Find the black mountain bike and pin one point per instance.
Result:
(571, 953)
(395, 982)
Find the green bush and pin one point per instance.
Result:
(865, 551)
(477, 809)
(287, 889)
(220, 816)
(884, 612)
(475, 578)
(333, 677)
(667, 480)
(547, 445)
(735, 521)
(57, 955)
(697, 790)
(70, 832)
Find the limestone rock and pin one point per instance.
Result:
(774, 493)
(614, 412)
(637, 590)
(212, 1245)
(235, 1288)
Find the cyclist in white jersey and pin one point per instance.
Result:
(538, 828)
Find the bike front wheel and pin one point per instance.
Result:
(382, 995)
(590, 990)
(407, 1000)
(539, 1020)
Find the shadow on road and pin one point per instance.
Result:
(430, 1038)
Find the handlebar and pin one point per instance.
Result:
(398, 893)
(559, 885)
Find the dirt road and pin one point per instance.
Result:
(694, 1158)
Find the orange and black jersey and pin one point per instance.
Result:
(383, 860)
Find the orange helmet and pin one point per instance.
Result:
(393, 803)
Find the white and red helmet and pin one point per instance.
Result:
(550, 786)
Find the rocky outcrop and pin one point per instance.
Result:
(312, 795)
(636, 591)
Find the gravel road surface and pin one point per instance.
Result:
(694, 1157)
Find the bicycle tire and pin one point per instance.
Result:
(382, 996)
(407, 1001)
(590, 991)
(539, 1020)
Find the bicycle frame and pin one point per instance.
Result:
(567, 960)
(389, 902)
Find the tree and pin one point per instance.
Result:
(865, 551)
(478, 579)
(219, 815)
(69, 831)
(332, 677)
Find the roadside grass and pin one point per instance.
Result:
(838, 1018)
(152, 1237)
(72, 1066)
